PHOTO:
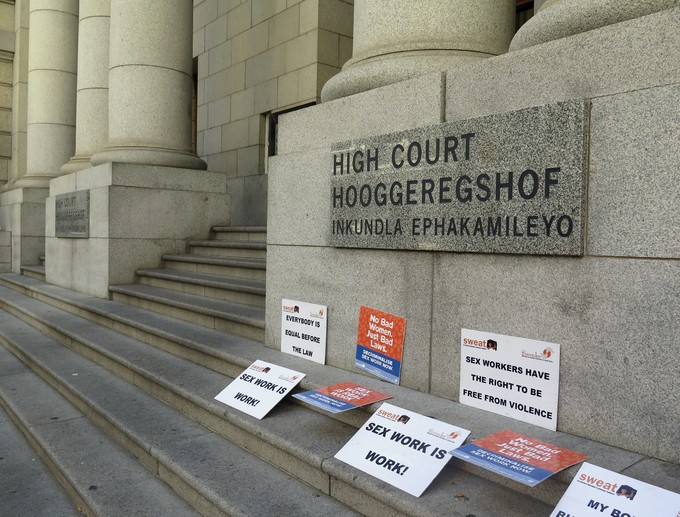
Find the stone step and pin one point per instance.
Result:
(215, 475)
(229, 248)
(254, 269)
(223, 353)
(219, 351)
(239, 290)
(101, 477)
(26, 484)
(37, 272)
(308, 455)
(241, 233)
(235, 318)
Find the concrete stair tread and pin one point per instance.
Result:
(241, 351)
(26, 485)
(236, 229)
(322, 438)
(233, 354)
(207, 280)
(243, 262)
(246, 314)
(36, 269)
(104, 478)
(231, 479)
(251, 245)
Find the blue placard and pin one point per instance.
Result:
(324, 401)
(495, 462)
(378, 364)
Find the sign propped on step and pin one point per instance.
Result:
(518, 457)
(259, 388)
(597, 491)
(510, 376)
(402, 448)
(341, 397)
(380, 343)
(303, 330)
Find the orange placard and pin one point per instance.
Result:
(380, 343)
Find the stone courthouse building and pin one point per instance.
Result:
(171, 171)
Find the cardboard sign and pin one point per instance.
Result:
(597, 491)
(510, 376)
(380, 343)
(303, 330)
(518, 457)
(402, 448)
(259, 388)
(341, 397)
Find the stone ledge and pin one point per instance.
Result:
(236, 354)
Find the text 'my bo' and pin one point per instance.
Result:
(506, 183)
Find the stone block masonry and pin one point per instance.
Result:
(613, 307)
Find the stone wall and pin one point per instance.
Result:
(255, 57)
(614, 311)
(6, 59)
(5, 251)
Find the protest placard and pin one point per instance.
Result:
(259, 388)
(510, 376)
(403, 448)
(518, 457)
(380, 343)
(598, 491)
(341, 397)
(303, 330)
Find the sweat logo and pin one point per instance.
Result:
(613, 488)
(402, 419)
(291, 308)
(263, 369)
(488, 344)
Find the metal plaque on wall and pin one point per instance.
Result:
(505, 183)
(72, 215)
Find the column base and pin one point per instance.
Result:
(37, 181)
(137, 214)
(75, 164)
(149, 156)
(22, 212)
(559, 19)
(360, 76)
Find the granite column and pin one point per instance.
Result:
(93, 83)
(150, 85)
(395, 40)
(561, 18)
(52, 68)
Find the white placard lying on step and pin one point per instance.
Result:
(403, 448)
(259, 388)
(595, 491)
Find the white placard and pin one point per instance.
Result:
(303, 330)
(510, 376)
(403, 448)
(259, 388)
(597, 491)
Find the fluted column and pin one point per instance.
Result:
(52, 65)
(92, 104)
(395, 40)
(561, 18)
(150, 83)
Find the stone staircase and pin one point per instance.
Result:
(117, 398)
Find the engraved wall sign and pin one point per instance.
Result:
(506, 183)
(72, 215)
